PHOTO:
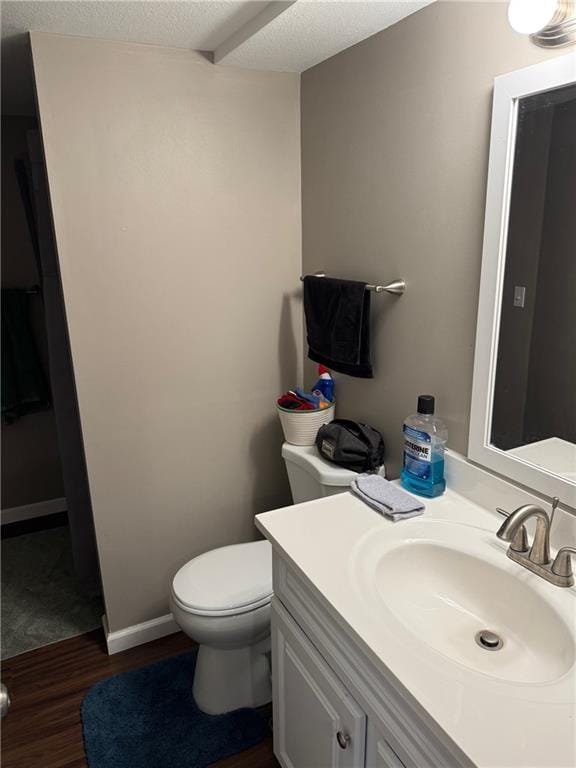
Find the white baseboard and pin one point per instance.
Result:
(139, 633)
(30, 511)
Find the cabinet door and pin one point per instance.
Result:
(317, 724)
(379, 753)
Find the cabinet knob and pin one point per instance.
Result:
(343, 739)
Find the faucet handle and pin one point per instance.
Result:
(520, 541)
(562, 565)
(502, 512)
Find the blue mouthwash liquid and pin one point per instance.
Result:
(425, 438)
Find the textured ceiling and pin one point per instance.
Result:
(196, 25)
(289, 36)
(309, 32)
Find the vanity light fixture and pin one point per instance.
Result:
(550, 23)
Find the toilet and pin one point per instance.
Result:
(221, 599)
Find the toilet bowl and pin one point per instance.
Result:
(221, 599)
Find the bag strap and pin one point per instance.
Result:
(351, 426)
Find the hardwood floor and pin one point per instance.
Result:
(43, 728)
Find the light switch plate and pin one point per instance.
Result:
(519, 295)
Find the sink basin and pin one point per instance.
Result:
(447, 583)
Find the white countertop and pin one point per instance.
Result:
(497, 724)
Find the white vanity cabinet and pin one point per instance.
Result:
(374, 627)
(316, 720)
(331, 709)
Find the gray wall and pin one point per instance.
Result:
(395, 135)
(30, 457)
(175, 188)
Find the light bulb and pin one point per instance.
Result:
(530, 16)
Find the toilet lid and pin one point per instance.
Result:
(232, 579)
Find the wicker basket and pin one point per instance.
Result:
(301, 427)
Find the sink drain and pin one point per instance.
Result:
(488, 640)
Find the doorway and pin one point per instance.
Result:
(50, 585)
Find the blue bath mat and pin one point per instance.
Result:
(147, 718)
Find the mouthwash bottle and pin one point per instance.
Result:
(425, 437)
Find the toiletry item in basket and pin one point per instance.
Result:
(291, 402)
(325, 383)
(316, 398)
(425, 437)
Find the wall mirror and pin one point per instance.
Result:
(523, 419)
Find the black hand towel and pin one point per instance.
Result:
(338, 325)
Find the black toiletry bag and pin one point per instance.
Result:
(352, 445)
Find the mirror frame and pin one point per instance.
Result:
(508, 90)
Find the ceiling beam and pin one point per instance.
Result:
(251, 28)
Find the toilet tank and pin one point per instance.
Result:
(311, 476)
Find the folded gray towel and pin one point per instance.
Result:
(386, 498)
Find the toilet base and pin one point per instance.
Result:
(231, 679)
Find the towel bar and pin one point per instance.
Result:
(396, 286)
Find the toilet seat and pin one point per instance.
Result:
(227, 581)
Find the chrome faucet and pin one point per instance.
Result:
(540, 550)
(537, 557)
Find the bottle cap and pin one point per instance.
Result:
(426, 404)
